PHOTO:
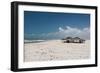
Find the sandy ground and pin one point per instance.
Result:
(56, 50)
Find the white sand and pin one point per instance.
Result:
(56, 50)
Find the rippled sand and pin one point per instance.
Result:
(56, 50)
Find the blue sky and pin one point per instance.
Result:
(44, 23)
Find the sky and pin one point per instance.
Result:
(52, 25)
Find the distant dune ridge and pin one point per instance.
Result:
(56, 50)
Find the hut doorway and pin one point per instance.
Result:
(68, 41)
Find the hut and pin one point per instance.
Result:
(68, 40)
(73, 40)
(78, 40)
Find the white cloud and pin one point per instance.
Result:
(61, 29)
(65, 32)
(70, 31)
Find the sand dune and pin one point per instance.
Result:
(56, 50)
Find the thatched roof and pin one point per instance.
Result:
(76, 38)
(68, 38)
